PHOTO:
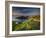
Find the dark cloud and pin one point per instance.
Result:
(25, 9)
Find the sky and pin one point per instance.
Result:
(25, 11)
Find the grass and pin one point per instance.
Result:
(32, 23)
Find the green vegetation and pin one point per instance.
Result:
(33, 23)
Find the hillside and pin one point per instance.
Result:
(32, 23)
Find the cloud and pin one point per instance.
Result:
(25, 10)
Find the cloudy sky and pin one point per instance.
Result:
(25, 11)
